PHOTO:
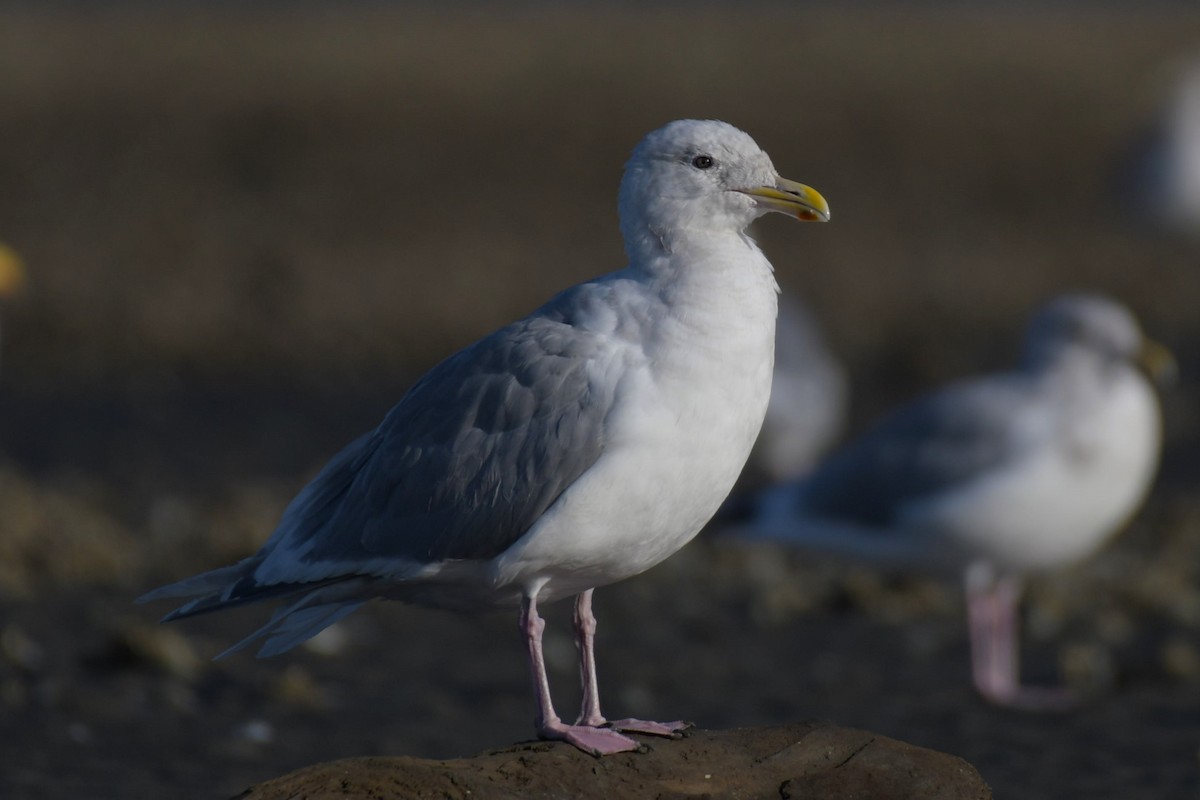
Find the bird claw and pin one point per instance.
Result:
(672, 730)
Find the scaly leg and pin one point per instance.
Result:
(589, 713)
(585, 636)
(596, 741)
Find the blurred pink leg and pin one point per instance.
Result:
(993, 651)
(992, 606)
(596, 741)
(589, 714)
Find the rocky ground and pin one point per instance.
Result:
(794, 761)
(248, 231)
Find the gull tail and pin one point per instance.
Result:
(221, 588)
(321, 603)
(781, 516)
(211, 583)
(857, 543)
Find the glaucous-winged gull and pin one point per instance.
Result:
(574, 448)
(996, 477)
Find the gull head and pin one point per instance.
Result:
(706, 175)
(1078, 326)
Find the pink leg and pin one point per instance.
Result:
(993, 658)
(596, 741)
(992, 605)
(585, 636)
(589, 713)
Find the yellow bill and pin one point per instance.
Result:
(1158, 362)
(794, 199)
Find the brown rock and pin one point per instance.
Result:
(800, 761)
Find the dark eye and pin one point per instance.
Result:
(703, 162)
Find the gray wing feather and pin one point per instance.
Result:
(468, 460)
(945, 440)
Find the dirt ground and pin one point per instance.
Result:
(801, 761)
(248, 231)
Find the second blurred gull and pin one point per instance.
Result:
(997, 477)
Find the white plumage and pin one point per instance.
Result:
(571, 449)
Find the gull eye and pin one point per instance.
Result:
(703, 162)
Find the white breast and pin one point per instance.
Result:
(693, 392)
(1061, 503)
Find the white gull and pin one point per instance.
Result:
(996, 477)
(574, 448)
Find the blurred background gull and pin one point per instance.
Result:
(997, 477)
(255, 224)
(808, 403)
(1161, 169)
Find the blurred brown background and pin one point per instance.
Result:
(248, 229)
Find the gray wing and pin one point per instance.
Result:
(467, 461)
(946, 440)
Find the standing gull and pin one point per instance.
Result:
(1161, 169)
(572, 449)
(996, 477)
